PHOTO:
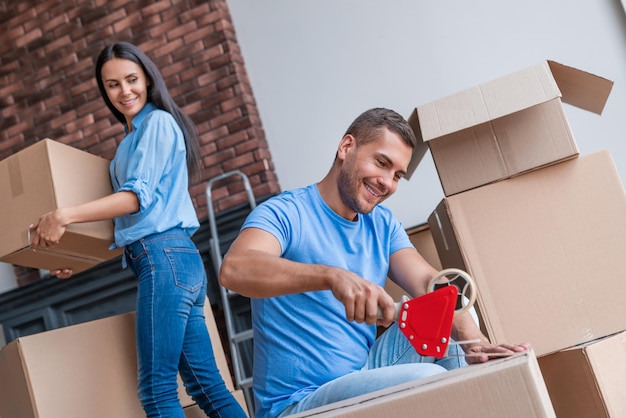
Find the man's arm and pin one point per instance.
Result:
(253, 267)
(412, 272)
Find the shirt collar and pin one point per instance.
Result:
(149, 107)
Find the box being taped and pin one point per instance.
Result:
(39, 179)
(86, 367)
(510, 387)
(588, 380)
(505, 127)
(546, 250)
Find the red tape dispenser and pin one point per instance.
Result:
(426, 321)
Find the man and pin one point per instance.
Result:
(315, 260)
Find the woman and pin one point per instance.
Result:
(154, 220)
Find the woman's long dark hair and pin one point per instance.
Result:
(157, 94)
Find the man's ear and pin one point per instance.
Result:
(347, 143)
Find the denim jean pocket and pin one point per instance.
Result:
(187, 267)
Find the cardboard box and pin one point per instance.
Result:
(504, 127)
(39, 179)
(511, 387)
(546, 250)
(588, 380)
(85, 367)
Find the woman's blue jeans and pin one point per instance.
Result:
(172, 335)
(392, 360)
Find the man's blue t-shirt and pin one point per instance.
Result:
(304, 340)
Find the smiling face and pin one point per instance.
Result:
(370, 172)
(126, 86)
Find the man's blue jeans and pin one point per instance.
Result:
(392, 360)
(171, 330)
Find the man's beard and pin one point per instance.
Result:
(349, 188)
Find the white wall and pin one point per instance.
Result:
(315, 65)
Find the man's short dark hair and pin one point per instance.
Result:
(369, 123)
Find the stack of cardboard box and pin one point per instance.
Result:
(541, 228)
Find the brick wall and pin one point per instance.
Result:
(47, 85)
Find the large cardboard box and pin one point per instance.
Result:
(86, 367)
(504, 127)
(546, 250)
(39, 179)
(511, 387)
(588, 380)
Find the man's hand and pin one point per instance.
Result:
(362, 299)
(481, 353)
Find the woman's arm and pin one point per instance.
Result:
(49, 229)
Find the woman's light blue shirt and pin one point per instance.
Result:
(151, 162)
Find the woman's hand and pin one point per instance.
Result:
(48, 230)
(62, 273)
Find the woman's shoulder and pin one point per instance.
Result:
(161, 121)
(158, 115)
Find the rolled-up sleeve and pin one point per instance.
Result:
(150, 156)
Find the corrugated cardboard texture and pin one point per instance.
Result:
(503, 147)
(85, 367)
(588, 380)
(488, 101)
(581, 89)
(502, 128)
(39, 179)
(546, 250)
(511, 388)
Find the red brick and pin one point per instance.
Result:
(18, 128)
(156, 7)
(10, 143)
(80, 123)
(117, 4)
(232, 140)
(167, 48)
(13, 33)
(211, 136)
(196, 13)
(26, 15)
(28, 37)
(83, 87)
(174, 69)
(127, 22)
(211, 18)
(218, 157)
(199, 73)
(190, 49)
(63, 119)
(180, 30)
